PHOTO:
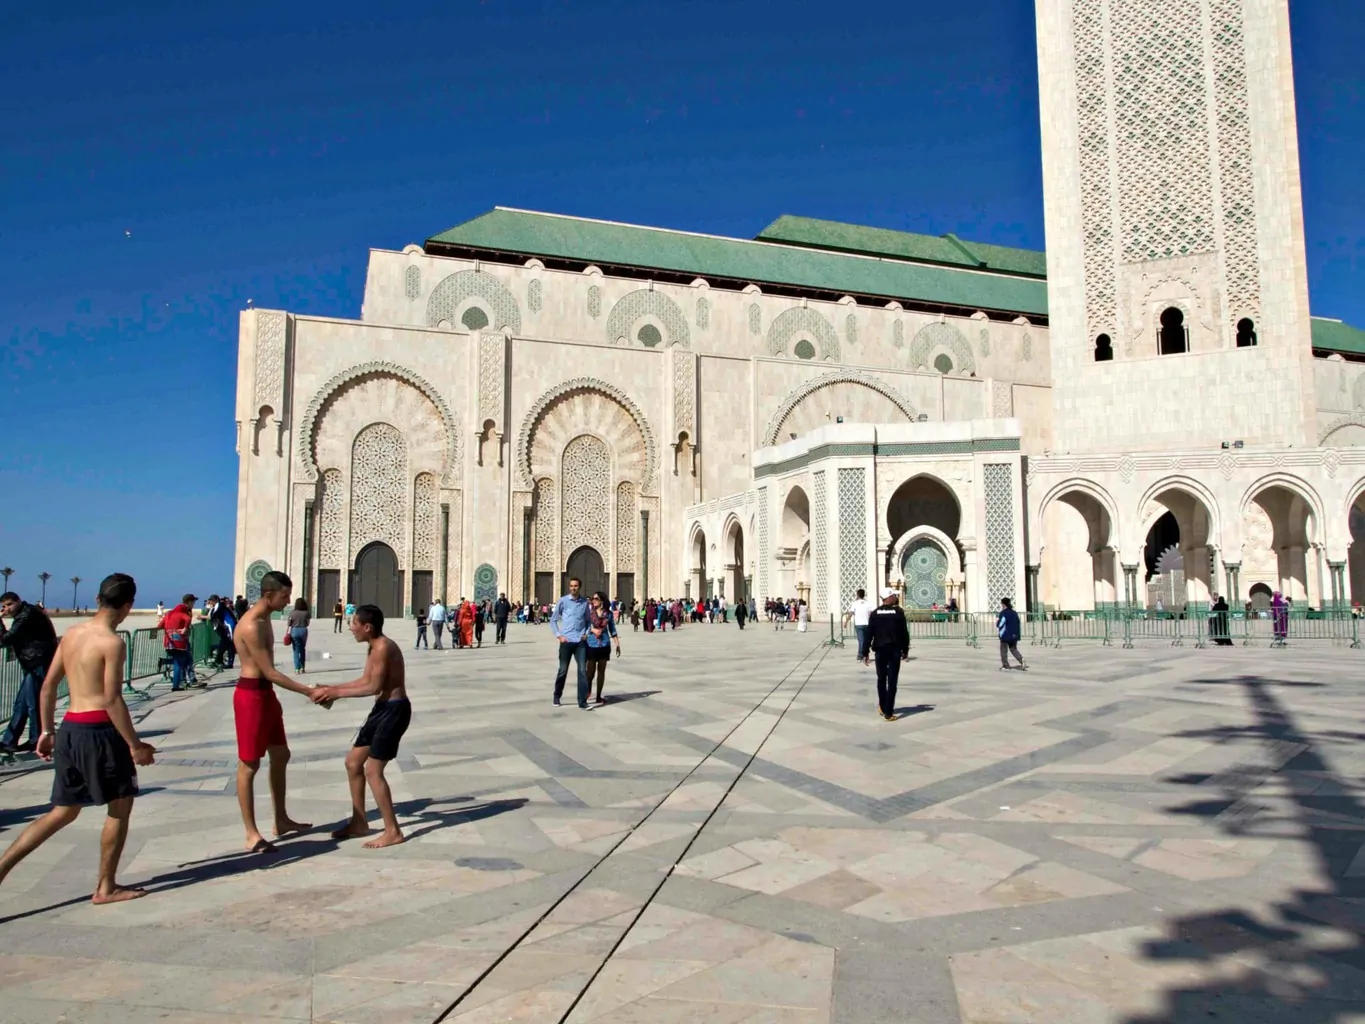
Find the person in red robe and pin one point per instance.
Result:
(466, 622)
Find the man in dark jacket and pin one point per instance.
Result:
(1007, 627)
(502, 608)
(33, 641)
(890, 639)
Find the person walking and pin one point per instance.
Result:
(741, 613)
(859, 611)
(33, 642)
(601, 633)
(889, 637)
(96, 751)
(480, 614)
(502, 609)
(464, 622)
(297, 633)
(802, 615)
(569, 621)
(436, 615)
(1007, 628)
(421, 630)
(338, 613)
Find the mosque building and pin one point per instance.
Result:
(824, 407)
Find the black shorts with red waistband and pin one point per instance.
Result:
(91, 761)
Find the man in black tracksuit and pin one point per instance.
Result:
(502, 608)
(890, 639)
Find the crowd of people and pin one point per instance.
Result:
(97, 749)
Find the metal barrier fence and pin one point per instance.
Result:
(1127, 630)
(145, 657)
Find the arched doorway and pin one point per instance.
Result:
(1355, 554)
(377, 580)
(1278, 532)
(696, 582)
(1079, 570)
(734, 569)
(793, 545)
(919, 502)
(925, 568)
(586, 564)
(1176, 552)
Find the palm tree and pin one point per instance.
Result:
(75, 582)
(44, 576)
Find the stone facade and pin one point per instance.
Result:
(787, 420)
(579, 409)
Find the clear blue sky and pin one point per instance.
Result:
(256, 151)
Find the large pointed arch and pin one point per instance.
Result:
(774, 428)
(566, 389)
(307, 438)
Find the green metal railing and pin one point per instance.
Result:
(145, 657)
(1107, 627)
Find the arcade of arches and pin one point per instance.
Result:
(1177, 561)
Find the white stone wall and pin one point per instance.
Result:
(1171, 180)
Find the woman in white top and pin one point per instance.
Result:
(802, 615)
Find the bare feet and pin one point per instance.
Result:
(118, 894)
(352, 830)
(259, 844)
(289, 828)
(385, 838)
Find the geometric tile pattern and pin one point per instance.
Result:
(764, 552)
(998, 480)
(820, 594)
(1156, 835)
(853, 561)
(451, 293)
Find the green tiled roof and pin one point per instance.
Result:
(805, 253)
(603, 242)
(1335, 336)
(946, 249)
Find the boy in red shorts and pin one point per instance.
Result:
(260, 719)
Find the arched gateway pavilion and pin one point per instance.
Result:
(1148, 409)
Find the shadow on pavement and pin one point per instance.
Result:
(1300, 960)
(621, 698)
(292, 850)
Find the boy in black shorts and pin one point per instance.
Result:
(96, 752)
(377, 742)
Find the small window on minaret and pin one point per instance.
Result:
(1104, 349)
(1246, 333)
(1173, 338)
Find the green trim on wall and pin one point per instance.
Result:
(899, 448)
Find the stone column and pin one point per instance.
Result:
(1130, 594)
(644, 554)
(1233, 570)
(1031, 589)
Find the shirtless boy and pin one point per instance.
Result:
(377, 742)
(259, 717)
(96, 751)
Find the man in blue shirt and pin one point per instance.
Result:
(569, 620)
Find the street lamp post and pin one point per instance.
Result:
(6, 572)
(44, 576)
(75, 583)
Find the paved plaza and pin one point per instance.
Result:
(1161, 834)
